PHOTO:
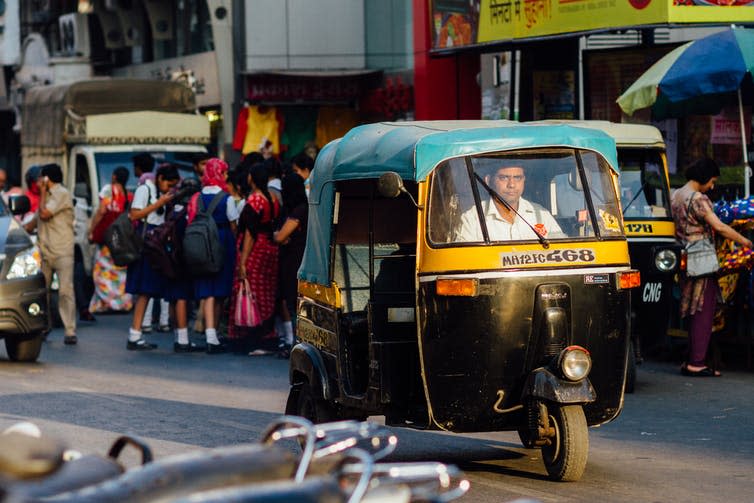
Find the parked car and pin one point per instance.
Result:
(24, 314)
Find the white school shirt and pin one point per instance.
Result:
(231, 210)
(144, 195)
(500, 229)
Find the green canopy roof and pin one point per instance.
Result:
(413, 150)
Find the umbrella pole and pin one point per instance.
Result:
(747, 169)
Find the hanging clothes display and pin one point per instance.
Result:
(300, 128)
(257, 124)
(333, 123)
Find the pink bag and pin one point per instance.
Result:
(246, 313)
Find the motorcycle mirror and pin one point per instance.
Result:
(390, 185)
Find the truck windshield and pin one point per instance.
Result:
(108, 161)
(643, 186)
(556, 193)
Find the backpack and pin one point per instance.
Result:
(124, 242)
(202, 251)
(162, 246)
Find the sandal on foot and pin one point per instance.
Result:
(705, 372)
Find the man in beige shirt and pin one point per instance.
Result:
(55, 240)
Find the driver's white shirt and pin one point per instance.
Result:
(501, 230)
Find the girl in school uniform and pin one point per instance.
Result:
(211, 289)
(142, 280)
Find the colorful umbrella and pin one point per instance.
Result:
(695, 78)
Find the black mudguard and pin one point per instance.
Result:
(542, 384)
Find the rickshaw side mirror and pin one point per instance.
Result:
(390, 185)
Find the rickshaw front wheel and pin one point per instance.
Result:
(565, 457)
(304, 402)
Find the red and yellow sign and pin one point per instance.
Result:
(459, 23)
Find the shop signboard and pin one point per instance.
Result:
(725, 127)
(462, 23)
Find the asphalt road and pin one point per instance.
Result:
(678, 438)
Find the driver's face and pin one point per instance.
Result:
(509, 183)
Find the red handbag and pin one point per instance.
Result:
(98, 233)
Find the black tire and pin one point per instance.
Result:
(24, 350)
(565, 459)
(311, 406)
(630, 369)
(55, 320)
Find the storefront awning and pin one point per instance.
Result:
(309, 86)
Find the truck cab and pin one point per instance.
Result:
(93, 126)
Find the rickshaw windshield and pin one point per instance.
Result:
(644, 189)
(558, 193)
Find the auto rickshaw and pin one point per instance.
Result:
(649, 227)
(413, 306)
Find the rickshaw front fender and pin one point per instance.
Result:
(306, 361)
(544, 385)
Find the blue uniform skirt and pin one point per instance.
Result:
(142, 278)
(221, 283)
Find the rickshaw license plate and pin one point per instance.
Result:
(552, 257)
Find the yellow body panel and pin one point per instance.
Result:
(329, 296)
(525, 256)
(646, 228)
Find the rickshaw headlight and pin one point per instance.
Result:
(665, 260)
(575, 363)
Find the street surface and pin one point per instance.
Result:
(678, 438)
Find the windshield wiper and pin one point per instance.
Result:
(638, 192)
(542, 240)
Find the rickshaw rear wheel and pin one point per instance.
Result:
(565, 457)
(310, 405)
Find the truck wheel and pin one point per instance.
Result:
(565, 458)
(311, 406)
(24, 350)
(630, 369)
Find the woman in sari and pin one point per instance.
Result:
(109, 279)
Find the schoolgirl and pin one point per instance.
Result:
(212, 288)
(142, 280)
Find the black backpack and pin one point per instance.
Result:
(162, 245)
(124, 242)
(202, 251)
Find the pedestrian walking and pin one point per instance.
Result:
(211, 289)
(109, 279)
(695, 219)
(54, 223)
(258, 263)
(142, 280)
(292, 240)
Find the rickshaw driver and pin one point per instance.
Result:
(503, 224)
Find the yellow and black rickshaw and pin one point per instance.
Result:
(655, 251)
(467, 276)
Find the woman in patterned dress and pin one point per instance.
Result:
(695, 219)
(109, 279)
(258, 263)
